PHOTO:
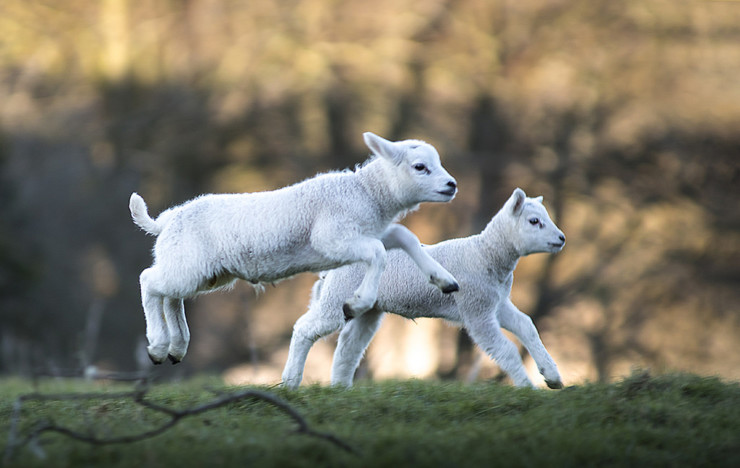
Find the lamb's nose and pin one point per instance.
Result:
(451, 184)
(561, 237)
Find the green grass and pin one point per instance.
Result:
(671, 420)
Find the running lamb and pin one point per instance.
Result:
(325, 222)
(483, 264)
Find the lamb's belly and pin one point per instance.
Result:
(426, 303)
(273, 266)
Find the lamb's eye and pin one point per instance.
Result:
(534, 221)
(420, 167)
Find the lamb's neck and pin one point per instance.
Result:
(374, 179)
(498, 249)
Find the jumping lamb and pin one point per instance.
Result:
(482, 263)
(325, 222)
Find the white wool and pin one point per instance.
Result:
(327, 221)
(483, 264)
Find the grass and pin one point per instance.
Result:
(670, 420)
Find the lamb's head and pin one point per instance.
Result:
(416, 171)
(532, 230)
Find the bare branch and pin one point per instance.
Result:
(139, 397)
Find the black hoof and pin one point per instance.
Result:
(348, 312)
(154, 361)
(173, 359)
(555, 385)
(451, 288)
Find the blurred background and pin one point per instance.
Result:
(625, 116)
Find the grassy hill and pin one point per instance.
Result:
(669, 420)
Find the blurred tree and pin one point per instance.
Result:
(623, 115)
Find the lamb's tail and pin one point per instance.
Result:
(141, 216)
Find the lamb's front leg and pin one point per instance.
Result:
(521, 325)
(480, 321)
(399, 237)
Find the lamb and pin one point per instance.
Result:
(324, 222)
(482, 263)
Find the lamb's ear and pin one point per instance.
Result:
(539, 199)
(383, 148)
(516, 201)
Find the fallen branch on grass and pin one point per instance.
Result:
(139, 397)
(91, 373)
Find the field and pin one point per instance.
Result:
(643, 420)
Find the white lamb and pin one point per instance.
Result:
(328, 221)
(483, 264)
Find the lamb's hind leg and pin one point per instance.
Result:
(156, 326)
(399, 237)
(174, 310)
(372, 252)
(311, 326)
(353, 341)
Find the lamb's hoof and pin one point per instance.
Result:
(451, 288)
(355, 307)
(173, 359)
(154, 360)
(554, 384)
(349, 314)
(290, 384)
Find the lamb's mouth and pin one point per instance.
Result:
(556, 244)
(451, 192)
